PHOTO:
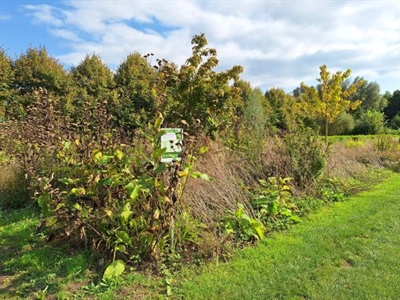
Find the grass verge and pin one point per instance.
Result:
(349, 250)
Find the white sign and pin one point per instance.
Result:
(173, 141)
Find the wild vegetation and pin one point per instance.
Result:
(81, 150)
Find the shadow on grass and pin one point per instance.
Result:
(29, 265)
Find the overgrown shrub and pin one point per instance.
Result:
(117, 199)
(343, 124)
(370, 122)
(306, 156)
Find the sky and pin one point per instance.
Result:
(279, 43)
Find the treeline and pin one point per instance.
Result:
(142, 86)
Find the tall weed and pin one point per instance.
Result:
(14, 193)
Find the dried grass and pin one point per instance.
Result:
(209, 201)
(349, 161)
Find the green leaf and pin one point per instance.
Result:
(42, 201)
(259, 229)
(160, 168)
(78, 191)
(126, 214)
(119, 154)
(203, 149)
(158, 153)
(96, 155)
(159, 135)
(105, 159)
(295, 218)
(133, 190)
(77, 206)
(66, 181)
(201, 175)
(121, 248)
(158, 122)
(114, 270)
(273, 208)
(124, 237)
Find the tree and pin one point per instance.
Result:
(369, 95)
(286, 113)
(205, 95)
(36, 70)
(256, 108)
(343, 124)
(330, 99)
(135, 80)
(92, 83)
(6, 80)
(393, 107)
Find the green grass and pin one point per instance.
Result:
(350, 250)
(29, 266)
(361, 137)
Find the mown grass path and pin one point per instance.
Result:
(350, 250)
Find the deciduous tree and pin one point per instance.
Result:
(204, 94)
(330, 99)
(6, 80)
(36, 70)
(135, 79)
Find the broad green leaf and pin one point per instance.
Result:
(77, 206)
(133, 190)
(114, 270)
(126, 214)
(121, 248)
(206, 177)
(124, 237)
(259, 228)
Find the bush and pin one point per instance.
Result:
(306, 156)
(343, 124)
(370, 122)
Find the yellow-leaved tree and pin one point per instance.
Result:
(330, 99)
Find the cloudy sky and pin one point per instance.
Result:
(279, 43)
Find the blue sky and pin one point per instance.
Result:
(279, 43)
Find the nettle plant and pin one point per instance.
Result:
(118, 199)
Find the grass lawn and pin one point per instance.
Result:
(350, 250)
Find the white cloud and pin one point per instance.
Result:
(44, 14)
(279, 43)
(4, 17)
